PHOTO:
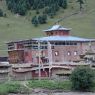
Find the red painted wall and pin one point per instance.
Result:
(19, 46)
(58, 32)
(44, 73)
(16, 56)
(28, 56)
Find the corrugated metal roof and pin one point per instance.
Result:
(63, 38)
(57, 27)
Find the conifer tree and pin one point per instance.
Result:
(22, 6)
(81, 2)
(64, 4)
(35, 21)
(42, 19)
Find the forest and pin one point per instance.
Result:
(49, 8)
(22, 6)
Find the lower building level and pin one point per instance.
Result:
(57, 46)
(48, 51)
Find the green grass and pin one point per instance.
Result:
(12, 87)
(9, 88)
(16, 27)
(49, 84)
(3, 89)
(17, 87)
(54, 85)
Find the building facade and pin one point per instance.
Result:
(57, 46)
(50, 56)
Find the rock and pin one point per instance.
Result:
(37, 90)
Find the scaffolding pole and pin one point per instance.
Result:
(50, 58)
(39, 60)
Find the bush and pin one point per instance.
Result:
(82, 79)
(13, 87)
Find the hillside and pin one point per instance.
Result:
(15, 27)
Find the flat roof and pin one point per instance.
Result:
(62, 38)
(17, 41)
(55, 38)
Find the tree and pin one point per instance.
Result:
(52, 11)
(50, 7)
(42, 19)
(44, 16)
(22, 6)
(82, 79)
(18, 6)
(1, 13)
(35, 21)
(64, 4)
(81, 2)
(56, 7)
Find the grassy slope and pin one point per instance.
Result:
(15, 27)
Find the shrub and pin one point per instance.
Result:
(82, 79)
(13, 87)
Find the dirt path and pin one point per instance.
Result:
(63, 93)
(73, 93)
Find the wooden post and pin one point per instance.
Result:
(50, 58)
(39, 59)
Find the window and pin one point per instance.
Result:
(43, 47)
(35, 47)
(75, 52)
(65, 43)
(51, 33)
(75, 43)
(52, 47)
(69, 53)
(56, 53)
